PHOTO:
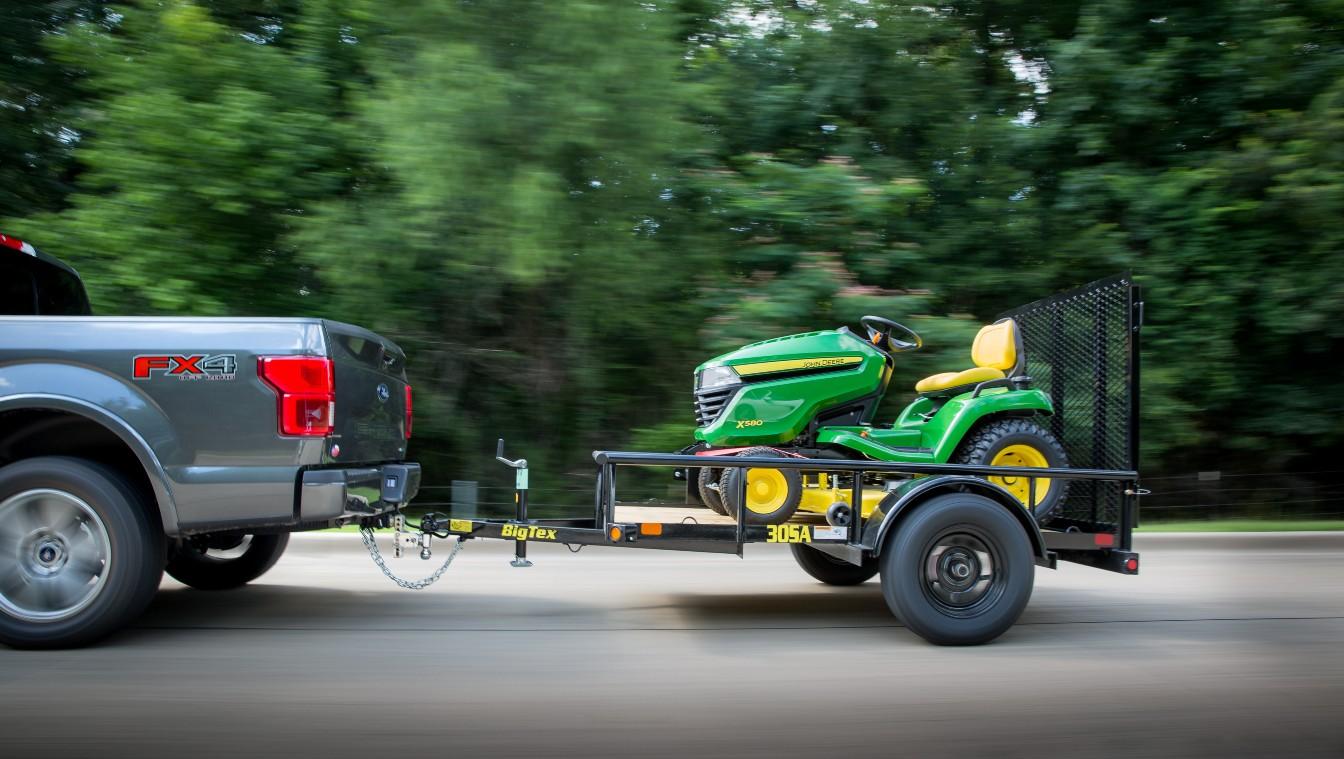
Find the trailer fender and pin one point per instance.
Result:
(899, 503)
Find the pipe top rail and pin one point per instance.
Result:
(637, 458)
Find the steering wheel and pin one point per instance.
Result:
(880, 333)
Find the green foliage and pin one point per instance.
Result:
(559, 209)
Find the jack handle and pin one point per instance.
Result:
(499, 456)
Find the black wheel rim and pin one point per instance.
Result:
(962, 572)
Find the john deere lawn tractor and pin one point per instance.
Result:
(815, 394)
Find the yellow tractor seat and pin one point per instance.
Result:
(957, 379)
(996, 350)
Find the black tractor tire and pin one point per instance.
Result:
(708, 485)
(986, 441)
(793, 483)
(216, 563)
(90, 520)
(693, 495)
(833, 571)
(932, 584)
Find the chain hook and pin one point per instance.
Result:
(366, 534)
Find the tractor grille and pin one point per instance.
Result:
(1081, 348)
(709, 404)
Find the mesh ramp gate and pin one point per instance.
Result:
(1082, 349)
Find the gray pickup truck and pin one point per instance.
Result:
(132, 446)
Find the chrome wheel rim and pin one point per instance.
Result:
(55, 554)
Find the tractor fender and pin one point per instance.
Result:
(901, 502)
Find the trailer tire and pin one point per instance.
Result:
(833, 571)
(708, 484)
(959, 570)
(211, 563)
(61, 519)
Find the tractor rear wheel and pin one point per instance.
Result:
(773, 495)
(1019, 443)
(708, 484)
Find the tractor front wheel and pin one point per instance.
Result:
(772, 494)
(708, 484)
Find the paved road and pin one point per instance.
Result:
(1227, 646)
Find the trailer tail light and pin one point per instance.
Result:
(306, 387)
(410, 414)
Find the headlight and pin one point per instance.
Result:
(716, 376)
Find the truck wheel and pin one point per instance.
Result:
(708, 483)
(1019, 442)
(80, 555)
(220, 562)
(773, 495)
(829, 569)
(959, 570)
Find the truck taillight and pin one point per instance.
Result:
(409, 415)
(306, 387)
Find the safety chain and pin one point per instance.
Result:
(366, 534)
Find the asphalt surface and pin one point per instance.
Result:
(1224, 646)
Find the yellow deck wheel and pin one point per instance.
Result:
(1021, 455)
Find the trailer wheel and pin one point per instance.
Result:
(829, 569)
(708, 484)
(220, 562)
(80, 555)
(958, 571)
(1019, 442)
(773, 495)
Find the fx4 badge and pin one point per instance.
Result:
(196, 367)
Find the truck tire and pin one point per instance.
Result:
(216, 562)
(1019, 442)
(80, 554)
(959, 570)
(773, 495)
(708, 484)
(829, 569)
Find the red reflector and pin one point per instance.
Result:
(410, 416)
(1132, 565)
(306, 387)
(1104, 539)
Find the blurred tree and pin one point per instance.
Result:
(37, 94)
(518, 234)
(200, 147)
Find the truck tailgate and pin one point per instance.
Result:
(371, 394)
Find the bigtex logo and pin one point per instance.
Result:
(527, 532)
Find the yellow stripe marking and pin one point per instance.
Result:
(770, 367)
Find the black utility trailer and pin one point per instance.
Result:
(956, 553)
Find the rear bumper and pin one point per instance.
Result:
(334, 494)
